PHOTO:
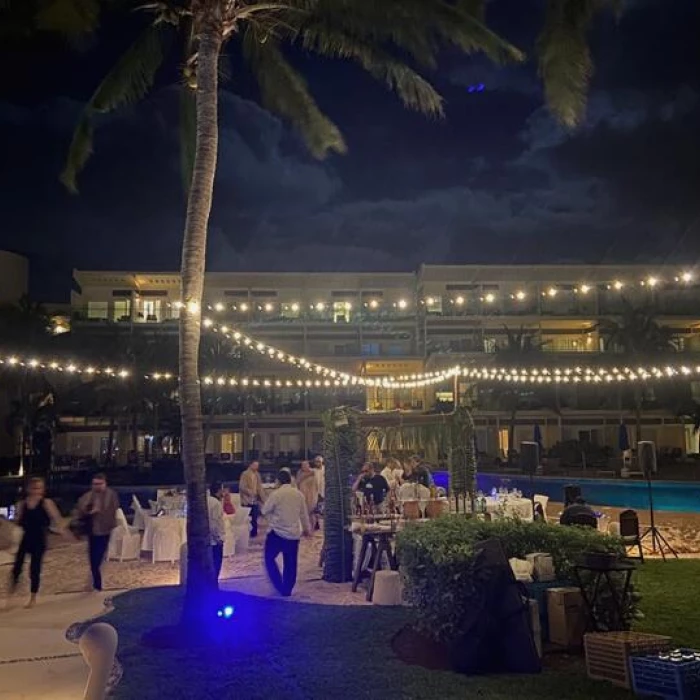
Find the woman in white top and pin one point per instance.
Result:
(393, 473)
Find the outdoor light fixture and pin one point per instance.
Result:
(244, 307)
(490, 298)
(320, 306)
(295, 307)
(552, 291)
(584, 289)
(687, 277)
(652, 281)
(430, 301)
(218, 306)
(520, 295)
(618, 285)
(403, 303)
(459, 300)
(373, 304)
(268, 307)
(226, 612)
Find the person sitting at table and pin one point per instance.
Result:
(579, 513)
(417, 472)
(393, 473)
(373, 486)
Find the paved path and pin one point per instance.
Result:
(36, 660)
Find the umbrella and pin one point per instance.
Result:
(623, 439)
(537, 436)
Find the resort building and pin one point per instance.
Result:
(379, 324)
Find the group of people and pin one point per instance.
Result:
(95, 517)
(375, 486)
(291, 510)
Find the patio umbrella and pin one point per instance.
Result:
(537, 436)
(623, 439)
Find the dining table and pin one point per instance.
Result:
(163, 522)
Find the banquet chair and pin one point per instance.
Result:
(241, 528)
(124, 543)
(139, 515)
(230, 537)
(166, 545)
(629, 532)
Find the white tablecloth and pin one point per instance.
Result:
(511, 507)
(164, 522)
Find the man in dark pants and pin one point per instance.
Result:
(250, 487)
(217, 527)
(99, 507)
(288, 518)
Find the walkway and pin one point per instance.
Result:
(36, 660)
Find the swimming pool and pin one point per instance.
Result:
(675, 496)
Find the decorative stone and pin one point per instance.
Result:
(387, 588)
(98, 646)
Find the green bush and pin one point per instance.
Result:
(438, 563)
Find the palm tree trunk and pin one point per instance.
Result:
(200, 570)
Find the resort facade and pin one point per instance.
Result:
(380, 324)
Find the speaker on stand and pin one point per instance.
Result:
(646, 456)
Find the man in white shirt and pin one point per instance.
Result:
(287, 517)
(217, 527)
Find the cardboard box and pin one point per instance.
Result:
(542, 565)
(567, 617)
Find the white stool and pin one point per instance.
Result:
(387, 588)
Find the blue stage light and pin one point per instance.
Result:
(226, 613)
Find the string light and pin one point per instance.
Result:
(520, 296)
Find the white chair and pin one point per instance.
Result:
(166, 545)
(241, 528)
(124, 543)
(121, 518)
(230, 537)
(139, 515)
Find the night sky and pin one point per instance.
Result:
(495, 181)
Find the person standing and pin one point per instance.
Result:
(288, 519)
(306, 483)
(217, 527)
(35, 515)
(320, 472)
(98, 508)
(252, 494)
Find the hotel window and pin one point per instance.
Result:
(231, 443)
(433, 304)
(121, 310)
(97, 310)
(342, 311)
(150, 310)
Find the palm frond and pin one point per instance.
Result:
(129, 81)
(415, 92)
(72, 18)
(565, 62)
(286, 93)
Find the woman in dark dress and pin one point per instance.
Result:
(35, 515)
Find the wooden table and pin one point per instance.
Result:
(378, 541)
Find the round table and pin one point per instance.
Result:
(511, 507)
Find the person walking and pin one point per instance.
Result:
(217, 527)
(252, 494)
(308, 487)
(98, 510)
(35, 515)
(288, 519)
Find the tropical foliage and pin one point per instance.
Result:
(446, 582)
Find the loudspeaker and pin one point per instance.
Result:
(529, 457)
(646, 456)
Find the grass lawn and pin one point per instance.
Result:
(285, 650)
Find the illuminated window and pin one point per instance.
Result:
(342, 311)
(97, 310)
(122, 310)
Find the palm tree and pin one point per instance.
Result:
(638, 337)
(374, 35)
(522, 348)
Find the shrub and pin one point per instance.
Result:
(438, 563)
